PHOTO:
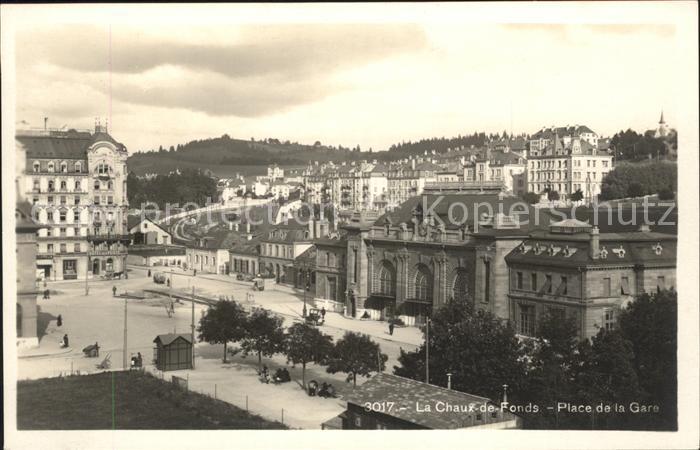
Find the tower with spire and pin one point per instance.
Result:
(662, 130)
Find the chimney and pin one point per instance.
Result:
(413, 164)
(644, 228)
(594, 246)
(311, 227)
(317, 234)
(247, 227)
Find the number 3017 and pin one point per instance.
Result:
(379, 406)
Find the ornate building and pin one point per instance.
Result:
(76, 181)
(417, 257)
(572, 270)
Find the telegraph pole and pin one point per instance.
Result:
(86, 275)
(192, 326)
(427, 350)
(125, 366)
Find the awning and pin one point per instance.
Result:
(378, 301)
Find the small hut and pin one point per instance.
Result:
(173, 351)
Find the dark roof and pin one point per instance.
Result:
(156, 250)
(405, 393)
(74, 147)
(287, 234)
(573, 250)
(246, 247)
(307, 257)
(167, 339)
(63, 145)
(473, 203)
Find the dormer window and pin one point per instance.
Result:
(50, 167)
(78, 167)
(36, 166)
(657, 249)
(603, 253)
(64, 167)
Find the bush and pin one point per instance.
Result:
(635, 189)
(666, 194)
(531, 198)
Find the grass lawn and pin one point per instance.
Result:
(140, 401)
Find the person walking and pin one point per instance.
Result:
(47, 294)
(59, 321)
(114, 291)
(149, 273)
(391, 328)
(323, 313)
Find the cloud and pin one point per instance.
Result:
(248, 72)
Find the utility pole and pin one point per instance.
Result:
(427, 350)
(192, 327)
(87, 269)
(125, 342)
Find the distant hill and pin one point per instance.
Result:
(225, 155)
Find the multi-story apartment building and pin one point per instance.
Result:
(504, 167)
(571, 270)
(76, 181)
(406, 180)
(546, 136)
(566, 165)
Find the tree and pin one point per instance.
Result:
(531, 198)
(263, 334)
(480, 351)
(552, 195)
(635, 189)
(650, 323)
(306, 344)
(666, 194)
(576, 196)
(223, 322)
(356, 354)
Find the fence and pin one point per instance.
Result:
(226, 394)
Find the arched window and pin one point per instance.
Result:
(78, 166)
(77, 185)
(36, 166)
(103, 169)
(423, 285)
(52, 186)
(387, 279)
(460, 285)
(96, 185)
(64, 167)
(109, 266)
(64, 185)
(50, 166)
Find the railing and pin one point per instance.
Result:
(108, 237)
(462, 185)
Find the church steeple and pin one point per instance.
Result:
(661, 120)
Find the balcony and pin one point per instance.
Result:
(458, 186)
(108, 237)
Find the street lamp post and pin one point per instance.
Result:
(304, 280)
(87, 269)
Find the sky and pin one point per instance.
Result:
(370, 84)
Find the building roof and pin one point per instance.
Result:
(69, 144)
(574, 250)
(287, 234)
(156, 250)
(245, 247)
(405, 392)
(167, 339)
(470, 205)
(133, 221)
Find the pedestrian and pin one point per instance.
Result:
(168, 282)
(195, 272)
(114, 291)
(391, 328)
(64, 344)
(47, 294)
(97, 349)
(59, 321)
(149, 273)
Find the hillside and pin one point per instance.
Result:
(226, 156)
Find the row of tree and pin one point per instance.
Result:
(633, 364)
(189, 185)
(261, 333)
(632, 146)
(636, 180)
